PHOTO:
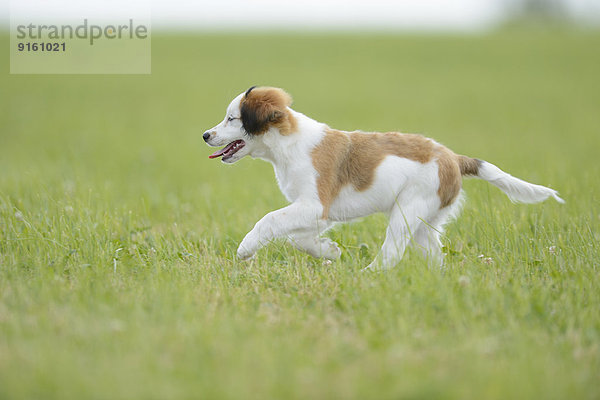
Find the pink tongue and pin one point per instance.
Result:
(224, 150)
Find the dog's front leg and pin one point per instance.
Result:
(280, 223)
(310, 241)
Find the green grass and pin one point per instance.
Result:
(117, 235)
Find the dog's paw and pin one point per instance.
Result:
(244, 253)
(329, 249)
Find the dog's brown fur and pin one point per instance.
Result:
(468, 165)
(344, 158)
(449, 175)
(266, 107)
(351, 158)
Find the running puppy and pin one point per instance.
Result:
(333, 176)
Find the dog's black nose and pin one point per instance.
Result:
(206, 136)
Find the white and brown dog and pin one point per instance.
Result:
(331, 176)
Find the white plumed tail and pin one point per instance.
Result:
(516, 189)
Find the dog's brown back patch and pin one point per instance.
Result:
(351, 158)
(265, 107)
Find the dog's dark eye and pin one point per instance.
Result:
(229, 119)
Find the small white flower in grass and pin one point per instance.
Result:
(69, 209)
(132, 249)
(463, 280)
(484, 259)
(552, 250)
(327, 263)
(19, 216)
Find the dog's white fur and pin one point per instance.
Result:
(404, 189)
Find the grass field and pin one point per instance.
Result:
(117, 235)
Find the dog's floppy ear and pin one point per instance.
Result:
(262, 107)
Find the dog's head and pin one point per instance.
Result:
(250, 116)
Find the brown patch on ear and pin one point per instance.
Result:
(288, 124)
(344, 158)
(265, 107)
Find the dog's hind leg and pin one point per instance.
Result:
(406, 218)
(427, 236)
(427, 239)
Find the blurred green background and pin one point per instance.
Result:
(117, 234)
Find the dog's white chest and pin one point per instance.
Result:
(293, 183)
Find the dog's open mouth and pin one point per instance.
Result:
(229, 150)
